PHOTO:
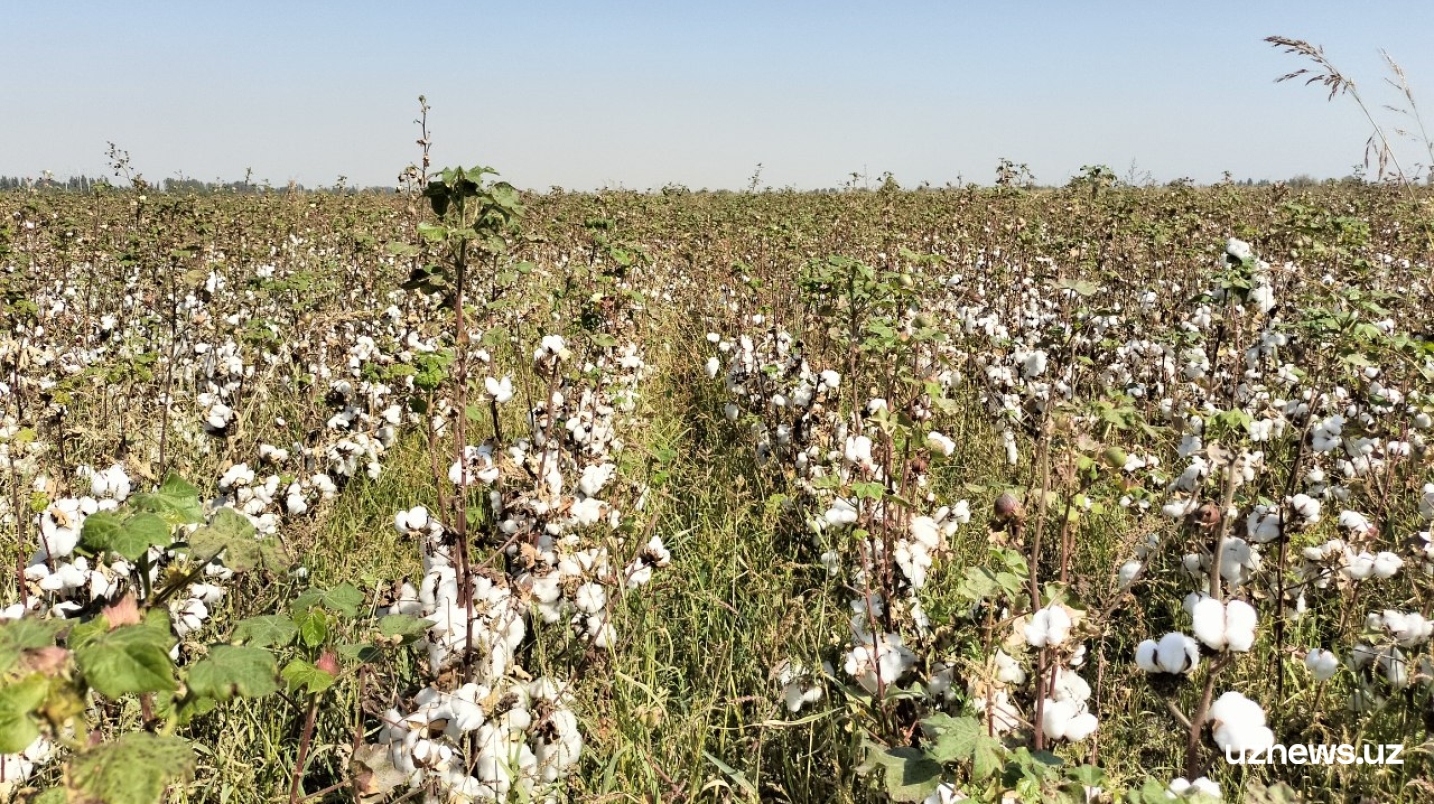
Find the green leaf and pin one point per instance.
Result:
(344, 599)
(964, 739)
(105, 531)
(229, 535)
(735, 775)
(100, 530)
(231, 670)
(176, 501)
(18, 701)
(433, 233)
(313, 626)
(868, 491)
(301, 675)
(266, 631)
(910, 774)
(139, 533)
(360, 652)
(134, 769)
(18, 636)
(955, 737)
(407, 626)
(131, 658)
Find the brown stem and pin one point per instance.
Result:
(296, 786)
(1192, 744)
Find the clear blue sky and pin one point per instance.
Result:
(590, 94)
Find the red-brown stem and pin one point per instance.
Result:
(296, 785)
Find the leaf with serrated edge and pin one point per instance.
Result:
(133, 769)
(132, 658)
(231, 670)
(266, 631)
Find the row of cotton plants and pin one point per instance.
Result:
(1230, 375)
(1208, 483)
(485, 729)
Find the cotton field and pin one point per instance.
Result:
(1092, 495)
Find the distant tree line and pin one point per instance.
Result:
(85, 184)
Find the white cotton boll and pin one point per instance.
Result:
(1127, 573)
(1395, 667)
(1386, 564)
(1145, 657)
(207, 592)
(713, 366)
(600, 631)
(1008, 670)
(1056, 717)
(1184, 788)
(1013, 455)
(1068, 685)
(731, 411)
(500, 390)
(1306, 508)
(926, 532)
(1179, 508)
(1323, 664)
(1209, 622)
(830, 379)
(1358, 566)
(858, 450)
(1177, 653)
(1081, 726)
(937, 442)
(1239, 250)
(840, 513)
(1034, 364)
(1409, 629)
(590, 598)
(1354, 521)
(1048, 627)
(1240, 621)
(595, 477)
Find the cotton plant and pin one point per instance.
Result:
(548, 492)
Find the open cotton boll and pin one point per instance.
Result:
(937, 442)
(1128, 571)
(1145, 657)
(1323, 664)
(500, 390)
(1239, 724)
(841, 512)
(590, 598)
(1048, 627)
(1008, 670)
(1306, 508)
(1386, 564)
(1175, 653)
(1184, 788)
(1223, 626)
(1064, 720)
(1409, 629)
